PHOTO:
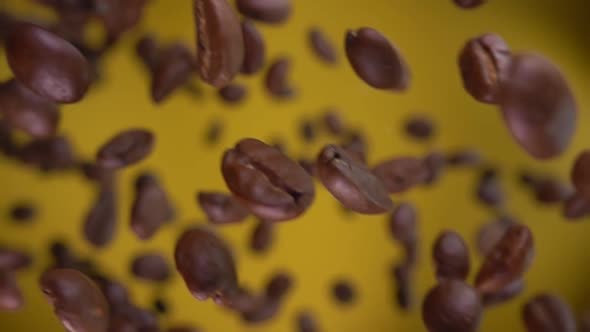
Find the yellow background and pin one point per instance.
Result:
(322, 245)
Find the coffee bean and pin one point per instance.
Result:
(577, 206)
(206, 264)
(401, 174)
(55, 153)
(465, 157)
(76, 300)
(343, 292)
(273, 11)
(489, 189)
(132, 318)
(551, 190)
(307, 131)
(119, 17)
(538, 106)
(452, 305)
(451, 256)
(96, 173)
(505, 294)
(11, 297)
(254, 49)
(580, 175)
(276, 79)
(220, 43)
(356, 145)
(264, 310)
(101, 221)
(333, 122)
(507, 261)
(23, 212)
(546, 313)
(148, 50)
(62, 255)
(214, 132)
(419, 127)
(151, 208)
(483, 63)
(436, 163)
(14, 259)
(308, 166)
(351, 182)
(233, 93)
(221, 208)
(306, 322)
(150, 267)
(402, 274)
(376, 61)
(183, 328)
(490, 234)
(271, 185)
(262, 237)
(126, 148)
(278, 286)
(468, 4)
(322, 46)
(174, 67)
(403, 224)
(279, 144)
(115, 293)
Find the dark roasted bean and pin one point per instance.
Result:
(160, 306)
(307, 131)
(119, 16)
(263, 310)
(273, 11)
(62, 255)
(483, 62)
(278, 286)
(435, 163)
(55, 153)
(465, 157)
(271, 185)
(489, 189)
(355, 144)
(548, 313)
(403, 224)
(419, 127)
(23, 212)
(306, 322)
(126, 148)
(333, 122)
(452, 306)
(11, 297)
(76, 300)
(322, 46)
(150, 267)
(114, 292)
(490, 234)
(254, 49)
(505, 294)
(220, 43)
(276, 79)
(375, 60)
(96, 173)
(343, 292)
(101, 221)
(401, 174)
(147, 49)
(233, 93)
(468, 4)
(262, 236)
(538, 106)
(402, 274)
(151, 208)
(580, 175)
(221, 208)
(576, 206)
(14, 259)
(174, 67)
(551, 190)
(351, 182)
(451, 256)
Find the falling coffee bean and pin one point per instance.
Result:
(419, 127)
(343, 292)
(547, 313)
(262, 237)
(322, 46)
(489, 189)
(551, 190)
(465, 158)
(126, 148)
(147, 49)
(402, 274)
(452, 305)
(451, 256)
(504, 295)
(273, 11)
(151, 208)
(214, 132)
(436, 163)
(306, 322)
(403, 224)
(14, 259)
(101, 221)
(577, 206)
(174, 67)
(11, 297)
(308, 131)
(490, 234)
(55, 153)
(401, 174)
(276, 79)
(355, 144)
(233, 93)
(150, 267)
(333, 122)
(254, 49)
(580, 175)
(23, 212)
(278, 286)
(468, 4)
(221, 208)
(160, 306)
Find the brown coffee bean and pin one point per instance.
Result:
(343, 292)
(233, 93)
(47, 64)
(548, 313)
(404, 295)
(403, 224)
(419, 127)
(333, 122)
(115, 293)
(100, 223)
(254, 49)
(14, 259)
(62, 255)
(528, 178)
(264, 310)
(355, 144)
(551, 190)
(307, 131)
(376, 61)
(132, 318)
(173, 69)
(23, 212)
(322, 46)
(577, 206)
(271, 185)
(308, 166)
(262, 237)
(465, 157)
(468, 4)
(206, 264)
(11, 297)
(221, 208)
(451, 256)
(507, 261)
(483, 62)
(96, 173)
(77, 300)
(452, 306)
(351, 182)
(125, 149)
(276, 79)
(148, 50)
(436, 163)
(151, 208)
(55, 153)
(267, 11)
(489, 189)
(278, 286)
(150, 267)
(306, 322)
(401, 174)
(220, 45)
(580, 175)
(183, 328)
(538, 106)
(490, 234)
(504, 295)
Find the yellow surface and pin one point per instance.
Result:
(321, 246)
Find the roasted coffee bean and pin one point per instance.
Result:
(505, 294)
(356, 145)
(174, 67)
(96, 173)
(306, 322)
(401, 174)
(77, 300)
(132, 318)
(376, 61)
(151, 208)
(333, 122)
(115, 293)
(465, 157)
(551, 190)
(468, 4)
(55, 153)
(351, 182)
(221, 208)
(489, 189)
(125, 149)
(147, 49)
(262, 237)
(254, 49)
(548, 313)
(343, 292)
(452, 306)
(307, 131)
(183, 328)
(119, 17)
(101, 221)
(23, 212)
(538, 106)
(507, 261)
(264, 310)
(206, 264)
(490, 234)
(214, 132)
(271, 185)
(322, 47)
(451, 256)
(580, 175)
(150, 267)
(483, 62)
(220, 45)
(577, 206)
(403, 224)
(11, 297)
(278, 286)
(160, 306)
(436, 163)
(268, 11)
(402, 274)
(233, 93)
(8, 145)
(529, 179)
(419, 127)
(62, 255)
(276, 79)
(308, 166)
(14, 259)
(47, 64)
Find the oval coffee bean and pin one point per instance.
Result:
(14, 259)
(402, 274)
(351, 183)
(150, 267)
(322, 46)
(580, 175)
(23, 212)
(551, 190)
(151, 208)
(451, 256)
(343, 292)
(483, 62)
(333, 122)
(507, 261)
(173, 69)
(101, 221)
(77, 300)
(278, 286)
(465, 157)
(538, 106)
(11, 297)
(306, 322)
(419, 127)
(254, 49)
(271, 185)
(452, 305)
(548, 313)
(221, 208)
(233, 93)
(376, 61)
(505, 294)
(268, 11)
(490, 234)
(47, 64)
(276, 79)
(54, 153)
(435, 162)
(577, 206)
(126, 148)
(262, 237)
(401, 174)
(403, 224)
(489, 189)
(468, 4)
(220, 45)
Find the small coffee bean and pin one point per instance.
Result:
(351, 182)
(221, 208)
(551, 190)
(452, 305)
(343, 292)
(276, 79)
(468, 4)
(401, 174)
(115, 293)
(490, 234)
(263, 311)
(419, 127)
(504, 295)
(278, 286)
(306, 322)
(546, 313)
(117, 17)
(151, 208)
(14, 259)
(580, 175)
(403, 224)
(465, 158)
(23, 212)
(436, 163)
(322, 46)
(376, 61)
(214, 132)
(148, 50)
(333, 122)
(11, 297)
(101, 221)
(529, 179)
(262, 237)
(254, 49)
(268, 11)
(451, 256)
(402, 274)
(55, 153)
(577, 206)
(150, 267)
(356, 145)
(308, 131)
(125, 149)
(489, 189)
(175, 66)
(233, 93)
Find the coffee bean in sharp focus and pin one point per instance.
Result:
(23, 212)
(420, 127)
(376, 61)
(343, 292)
(151, 207)
(469, 4)
(126, 148)
(267, 11)
(101, 221)
(48, 154)
(14, 259)
(233, 93)
(271, 185)
(401, 174)
(546, 313)
(351, 182)
(538, 106)
(504, 295)
(11, 297)
(77, 301)
(322, 46)
(306, 322)
(254, 49)
(580, 174)
(221, 208)
(489, 189)
(452, 305)
(483, 62)
(262, 236)
(577, 206)
(175, 66)
(220, 44)
(402, 274)
(277, 79)
(151, 267)
(278, 286)
(451, 256)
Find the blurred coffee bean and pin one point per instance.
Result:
(279, 144)
(214, 132)
(273, 12)
(356, 145)
(489, 189)
(538, 106)
(401, 174)
(174, 67)
(551, 190)
(528, 178)
(8, 145)
(96, 173)
(375, 60)
(271, 185)
(277, 78)
(402, 274)
(548, 313)
(307, 131)
(306, 322)
(115, 293)
(118, 17)
(160, 306)
(577, 206)
(23, 212)
(148, 50)
(14, 259)
(233, 93)
(468, 4)
(403, 224)
(580, 175)
(263, 310)
(322, 46)
(343, 292)
(151, 208)
(125, 148)
(419, 127)
(62, 255)
(183, 328)
(505, 294)
(452, 305)
(254, 49)
(351, 182)
(221, 208)
(262, 236)
(220, 45)
(132, 318)
(278, 286)
(333, 122)
(483, 62)
(436, 163)
(55, 153)
(465, 157)
(308, 166)
(451, 256)
(100, 223)
(150, 267)
(11, 297)
(490, 234)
